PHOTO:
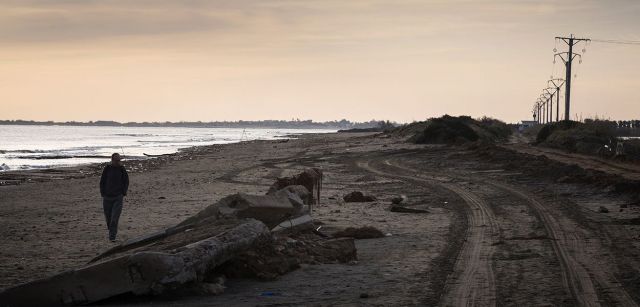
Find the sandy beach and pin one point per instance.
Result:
(500, 228)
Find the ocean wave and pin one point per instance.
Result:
(134, 134)
(3, 151)
(58, 157)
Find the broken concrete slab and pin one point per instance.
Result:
(310, 178)
(298, 223)
(139, 273)
(140, 241)
(272, 209)
(298, 195)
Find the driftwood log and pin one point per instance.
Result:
(138, 273)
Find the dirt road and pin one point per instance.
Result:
(581, 273)
(627, 170)
(473, 281)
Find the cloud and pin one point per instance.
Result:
(66, 22)
(33, 21)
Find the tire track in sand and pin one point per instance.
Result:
(570, 249)
(472, 282)
(571, 252)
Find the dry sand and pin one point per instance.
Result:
(495, 233)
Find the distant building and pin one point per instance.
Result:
(526, 124)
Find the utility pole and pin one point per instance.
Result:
(549, 108)
(570, 41)
(543, 106)
(545, 103)
(557, 83)
(539, 103)
(550, 102)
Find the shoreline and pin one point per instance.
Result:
(42, 147)
(61, 210)
(83, 170)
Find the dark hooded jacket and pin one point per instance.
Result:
(114, 181)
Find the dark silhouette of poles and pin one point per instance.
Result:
(570, 41)
(540, 117)
(557, 83)
(539, 110)
(550, 101)
(545, 101)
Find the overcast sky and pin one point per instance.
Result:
(403, 60)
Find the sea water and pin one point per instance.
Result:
(29, 147)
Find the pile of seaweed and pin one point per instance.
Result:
(456, 130)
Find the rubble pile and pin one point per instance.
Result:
(358, 197)
(262, 236)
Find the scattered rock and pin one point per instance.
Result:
(364, 295)
(366, 232)
(162, 197)
(398, 199)
(603, 209)
(358, 197)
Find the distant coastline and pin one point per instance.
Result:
(281, 124)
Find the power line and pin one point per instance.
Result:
(543, 108)
(571, 41)
(615, 41)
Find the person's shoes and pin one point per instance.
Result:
(112, 240)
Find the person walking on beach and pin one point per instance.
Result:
(114, 184)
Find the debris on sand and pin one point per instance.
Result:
(603, 209)
(280, 255)
(358, 197)
(398, 199)
(403, 209)
(263, 236)
(365, 232)
(310, 178)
